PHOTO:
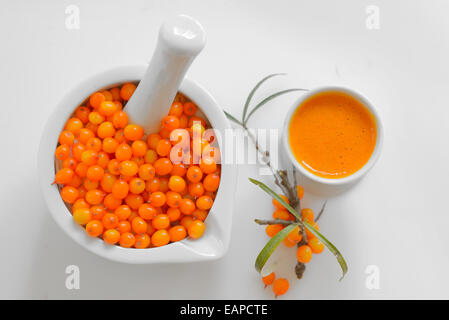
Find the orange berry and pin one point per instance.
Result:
(164, 133)
(103, 159)
(127, 240)
(123, 212)
(150, 157)
(187, 206)
(94, 228)
(128, 168)
(170, 122)
(106, 130)
(110, 221)
(82, 113)
(134, 200)
(153, 185)
(282, 214)
(272, 229)
(196, 229)
(69, 194)
(200, 214)
(269, 279)
(163, 166)
(63, 176)
(111, 202)
(120, 189)
(204, 202)
(120, 119)
(146, 171)
(288, 243)
(62, 152)
(81, 169)
(277, 204)
(147, 211)
(316, 245)
(133, 132)
(75, 182)
(139, 148)
(139, 225)
(161, 221)
(173, 214)
(111, 236)
(196, 189)
(314, 225)
(280, 286)
(66, 137)
(94, 196)
(300, 192)
(304, 254)
(123, 152)
(115, 93)
(95, 118)
(186, 221)
(120, 136)
(113, 167)
(189, 108)
(96, 99)
(77, 151)
(97, 212)
(307, 214)
(95, 173)
(84, 135)
(176, 109)
(211, 182)
(136, 185)
(123, 226)
(82, 216)
(107, 108)
(109, 145)
(73, 125)
(93, 144)
(142, 241)
(153, 140)
(90, 185)
(163, 147)
(127, 91)
(80, 203)
(163, 187)
(160, 238)
(183, 121)
(173, 199)
(157, 199)
(295, 235)
(176, 183)
(89, 157)
(177, 233)
(194, 174)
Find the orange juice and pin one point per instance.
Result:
(332, 134)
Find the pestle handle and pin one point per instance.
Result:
(180, 40)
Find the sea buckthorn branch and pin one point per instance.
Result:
(282, 181)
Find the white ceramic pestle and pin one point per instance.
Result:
(181, 39)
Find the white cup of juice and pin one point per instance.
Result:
(333, 136)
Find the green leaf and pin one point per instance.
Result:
(251, 94)
(269, 98)
(232, 118)
(271, 245)
(317, 234)
(330, 246)
(268, 190)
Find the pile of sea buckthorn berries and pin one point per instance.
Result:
(134, 190)
(304, 252)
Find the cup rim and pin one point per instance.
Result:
(214, 243)
(366, 167)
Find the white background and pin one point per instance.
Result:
(396, 218)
